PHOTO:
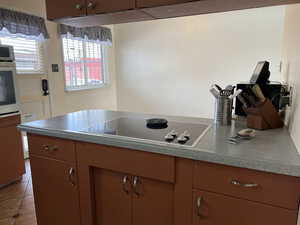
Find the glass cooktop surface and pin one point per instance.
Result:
(137, 128)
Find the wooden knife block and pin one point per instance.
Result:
(263, 116)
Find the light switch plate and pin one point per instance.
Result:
(55, 68)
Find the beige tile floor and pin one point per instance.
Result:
(17, 202)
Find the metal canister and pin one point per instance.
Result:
(223, 110)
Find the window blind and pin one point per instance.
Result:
(83, 63)
(29, 54)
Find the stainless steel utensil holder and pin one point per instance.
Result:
(223, 110)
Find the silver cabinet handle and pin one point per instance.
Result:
(53, 148)
(71, 174)
(91, 5)
(199, 201)
(125, 182)
(78, 6)
(238, 183)
(48, 148)
(136, 181)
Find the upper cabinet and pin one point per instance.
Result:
(57, 9)
(102, 12)
(104, 6)
(154, 3)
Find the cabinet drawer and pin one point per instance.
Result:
(10, 120)
(248, 184)
(144, 164)
(51, 147)
(210, 208)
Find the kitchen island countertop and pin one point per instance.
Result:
(270, 151)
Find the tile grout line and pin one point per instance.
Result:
(21, 197)
(21, 202)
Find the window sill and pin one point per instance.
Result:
(30, 73)
(83, 88)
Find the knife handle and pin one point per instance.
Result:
(249, 98)
(242, 100)
(259, 94)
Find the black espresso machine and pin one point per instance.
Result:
(275, 91)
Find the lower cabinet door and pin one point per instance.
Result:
(112, 191)
(12, 165)
(215, 209)
(55, 192)
(152, 202)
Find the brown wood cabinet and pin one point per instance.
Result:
(54, 148)
(103, 6)
(99, 12)
(248, 184)
(123, 186)
(135, 200)
(216, 209)
(152, 197)
(155, 3)
(139, 163)
(12, 165)
(112, 197)
(55, 191)
(57, 9)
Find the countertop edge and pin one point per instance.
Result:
(194, 154)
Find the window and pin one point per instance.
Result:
(28, 53)
(84, 63)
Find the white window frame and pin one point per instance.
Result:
(41, 49)
(105, 71)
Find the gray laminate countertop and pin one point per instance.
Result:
(271, 151)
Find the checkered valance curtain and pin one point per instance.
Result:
(23, 24)
(101, 34)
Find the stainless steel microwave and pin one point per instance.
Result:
(8, 92)
(6, 53)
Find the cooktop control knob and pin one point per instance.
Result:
(169, 137)
(182, 139)
(186, 134)
(173, 133)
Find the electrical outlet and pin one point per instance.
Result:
(28, 117)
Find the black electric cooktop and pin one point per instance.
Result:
(137, 128)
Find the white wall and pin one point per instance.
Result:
(291, 55)
(167, 66)
(62, 102)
